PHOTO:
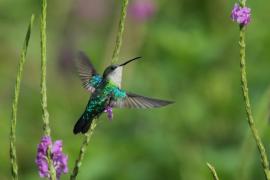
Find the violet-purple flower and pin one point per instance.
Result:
(142, 10)
(59, 159)
(241, 15)
(109, 111)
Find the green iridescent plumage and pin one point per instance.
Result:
(95, 81)
(106, 93)
(102, 95)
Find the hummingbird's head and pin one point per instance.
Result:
(114, 72)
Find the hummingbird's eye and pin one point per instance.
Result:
(113, 67)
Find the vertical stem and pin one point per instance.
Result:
(244, 85)
(82, 152)
(45, 113)
(213, 171)
(121, 28)
(115, 56)
(13, 157)
(50, 165)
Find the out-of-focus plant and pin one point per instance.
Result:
(213, 171)
(115, 57)
(142, 10)
(13, 157)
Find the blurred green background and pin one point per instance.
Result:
(190, 55)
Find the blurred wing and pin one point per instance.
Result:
(87, 73)
(136, 101)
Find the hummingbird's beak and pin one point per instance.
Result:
(129, 61)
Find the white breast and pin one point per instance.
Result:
(116, 76)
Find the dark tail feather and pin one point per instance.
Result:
(83, 124)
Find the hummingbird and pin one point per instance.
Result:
(106, 92)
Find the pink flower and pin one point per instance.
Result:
(241, 15)
(109, 111)
(59, 159)
(142, 10)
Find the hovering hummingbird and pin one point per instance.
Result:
(107, 93)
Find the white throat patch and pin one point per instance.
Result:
(116, 76)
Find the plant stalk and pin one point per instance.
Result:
(13, 156)
(83, 149)
(43, 36)
(244, 85)
(120, 32)
(115, 56)
(45, 113)
(213, 171)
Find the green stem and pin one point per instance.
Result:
(45, 113)
(242, 3)
(13, 157)
(121, 28)
(213, 171)
(115, 56)
(261, 113)
(82, 152)
(244, 85)
(50, 165)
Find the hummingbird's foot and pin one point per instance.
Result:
(109, 111)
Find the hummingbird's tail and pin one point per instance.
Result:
(83, 124)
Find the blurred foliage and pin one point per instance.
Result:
(190, 55)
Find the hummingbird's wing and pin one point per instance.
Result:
(87, 73)
(137, 101)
